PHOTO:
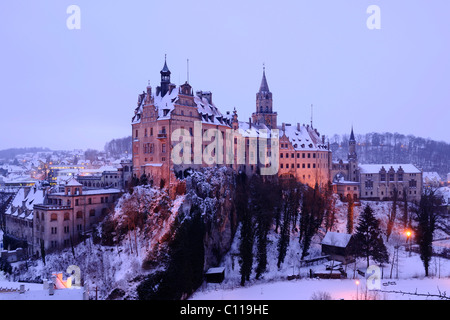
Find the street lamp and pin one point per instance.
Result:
(357, 284)
(408, 234)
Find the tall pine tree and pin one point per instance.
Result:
(368, 240)
(428, 214)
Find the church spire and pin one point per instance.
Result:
(264, 86)
(264, 113)
(352, 135)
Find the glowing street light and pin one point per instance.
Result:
(357, 285)
(408, 234)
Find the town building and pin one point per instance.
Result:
(63, 218)
(53, 171)
(18, 218)
(37, 219)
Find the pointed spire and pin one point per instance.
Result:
(264, 86)
(165, 68)
(352, 135)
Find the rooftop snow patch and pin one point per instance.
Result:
(376, 168)
(336, 239)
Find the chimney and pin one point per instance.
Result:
(283, 126)
(250, 123)
(298, 126)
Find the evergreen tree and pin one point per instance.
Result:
(263, 201)
(392, 214)
(247, 231)
(290, 205)
(368, 240)
(405, 210)
(330, 203)
(428, 215)
(312, 213)
(350, 214)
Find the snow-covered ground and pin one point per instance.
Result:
(407, 272)
(9, 290)
(347, 289)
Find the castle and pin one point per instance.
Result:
(212, 138)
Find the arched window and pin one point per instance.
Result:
(66, 216)
(79, 215)
(53, 217)
(92, 213)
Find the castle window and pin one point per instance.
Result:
(303, 155)
(292, 155)
(136, 136)
(391, 177)
(281, 155)
(309, 155)
(53, 217)
(314, 155)
(281, 166)
(309, 165)
(163, 148)
(79, 215)
(92, 213)
(66, 216)
(151, 132)
(298, 165)
(298, 155)
(145, 133)
(314, 165)
(303, 165)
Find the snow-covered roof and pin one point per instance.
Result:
(253, 130)
(375, 168)
(164, 105)
(215, 270)
(73, 183)
(431, 176)
(336, 239)
(25, 200)
(302, 137)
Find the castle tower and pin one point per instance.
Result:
(165, 78)
(264, 113)
(352, 158)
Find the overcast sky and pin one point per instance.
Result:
(65, 89)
